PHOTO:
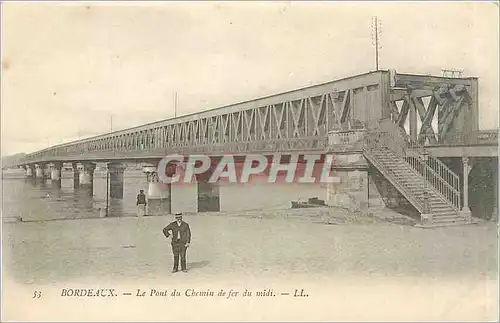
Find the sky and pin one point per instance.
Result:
(74, 70)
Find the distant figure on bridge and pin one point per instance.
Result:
(181, 238)
(141, 204)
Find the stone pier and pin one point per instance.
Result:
(208, 194)
(116, 171)
(158, 194)
(494, 179)
(351, 193)
(39, 171)
(494, 215)
(184, 197)
(76, 176)
(30, 171)
(55, 174)
(87, 177)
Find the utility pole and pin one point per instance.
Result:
(376, 33)
(111, 123)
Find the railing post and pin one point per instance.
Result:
(426, 192)
(466, 213)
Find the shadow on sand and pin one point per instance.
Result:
(198, 264)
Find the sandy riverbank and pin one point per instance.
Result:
(353, 271)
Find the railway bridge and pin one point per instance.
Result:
(410, 141)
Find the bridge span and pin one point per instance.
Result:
(428, 125)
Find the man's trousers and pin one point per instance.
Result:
(179, 250)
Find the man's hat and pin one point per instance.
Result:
(178, 215)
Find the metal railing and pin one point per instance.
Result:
(396, 139)
(345, 140)
(379, 141)
(301, 144)
(440, 176)
(471, 138)
(434, 171)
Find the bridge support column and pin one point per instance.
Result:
(39, 171)
(494, 215)
(30, 171)
(208, 194)
(158, 193)
(76, 176)
(351, 192)
(184, 197)
(55, 174)
(116, 171)
(466, 213)
(87, 177)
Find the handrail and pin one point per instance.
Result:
(438, 180)
(345, 140)
(290, 144)
(391, 137)
(442, 178)
(476, 137)
(434, 171)
(377, 141)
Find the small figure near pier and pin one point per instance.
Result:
(141, 204)
(102, 212)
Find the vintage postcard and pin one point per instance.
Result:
(249, 161)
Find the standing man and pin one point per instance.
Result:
(141, 204)
(181, 238)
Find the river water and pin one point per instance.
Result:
(42, 200)
(36, 199)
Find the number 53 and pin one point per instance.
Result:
(37, 294)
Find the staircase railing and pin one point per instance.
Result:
(394, 139)
(446, 183)
(442, 178)
(376, 141)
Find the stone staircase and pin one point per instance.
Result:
(431, 187)
(412, 185)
